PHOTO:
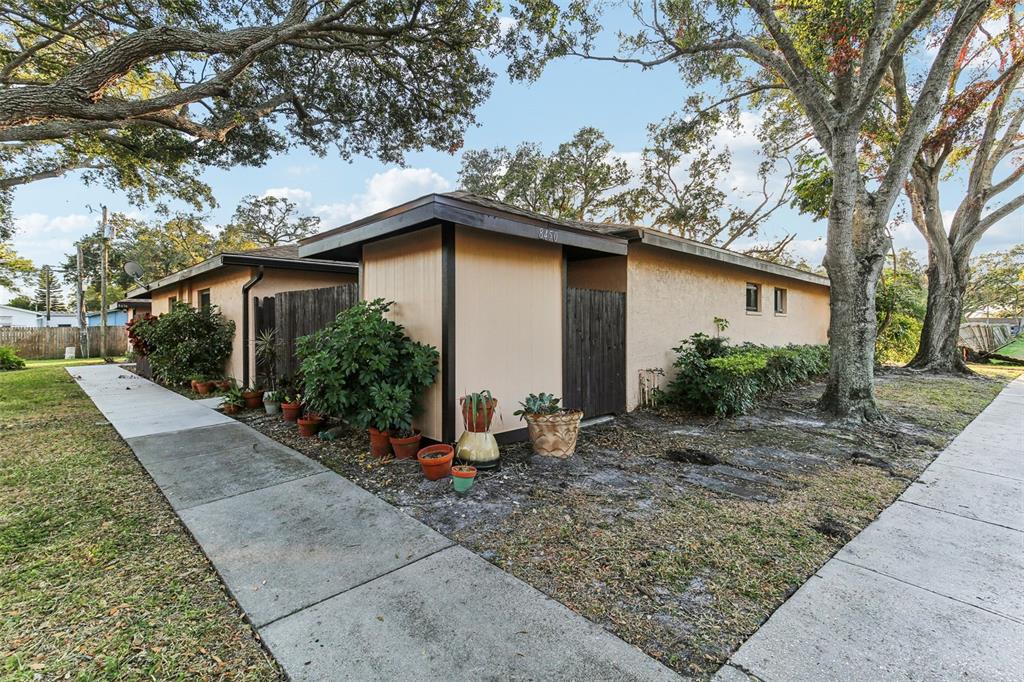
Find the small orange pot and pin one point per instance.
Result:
(406, 448)
(480, 422)
(380, 443)
(204, 387)
(222, 384)
(231, 408)
(253, 399)
(308, 426)
(291, 411)
(436, 460)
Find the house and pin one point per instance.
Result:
(116, 317)
(12, 316)
(519, 303)
(231, 280)
(57, 319)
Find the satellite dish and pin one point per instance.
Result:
(134, 270)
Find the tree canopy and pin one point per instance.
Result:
(265, 221)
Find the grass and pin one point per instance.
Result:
(98, 581)
(1014, 349)
(66, 363)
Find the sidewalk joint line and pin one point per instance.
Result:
(246, 492)
(357, 585)
(960, 516)
(926, 589)
(977, 471)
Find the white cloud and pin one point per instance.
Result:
(293, 194)
(384, 190)
(38, 224)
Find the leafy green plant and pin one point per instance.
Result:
(266, 355)
(9, 359)
(364, 368)
(479, 403)
(543, 403)
(186, 342)
(715, 378)
(233, 396)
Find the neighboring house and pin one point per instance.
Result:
(61, 319)
(11, 316)
(520, 303)
(230, 281)
(115, 317)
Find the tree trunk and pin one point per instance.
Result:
(947, 281)
(854, 257)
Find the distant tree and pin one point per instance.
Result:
(578, 181)
(22, 301)
(140, 96)
(996, 286)
(900, 307)
(49, 296)
(265, 221)
(13, 267)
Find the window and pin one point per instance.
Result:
(204, 299)
(753, 297)
(171, 301)
(780, 301)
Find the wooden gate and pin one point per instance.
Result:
(594, 372)
(292, 314)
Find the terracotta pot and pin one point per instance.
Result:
(406, 448)
(222, 384)
(308, 426)
(484, 414)
(193, 384)
(436, 460)
(231, 408)
(380, 442)
(204, 387)
(554, 435)
(253, 399)
(291, 411)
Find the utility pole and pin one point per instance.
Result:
(83, 324)
(104, 260)
(48, 283)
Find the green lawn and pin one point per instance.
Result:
(98, 581)
(1014, 349)
(67, 363)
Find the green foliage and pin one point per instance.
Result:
(479, 403)
(12, 266)
(715, 378)
(897, 343)
(9, 359)
(22, 301)
(900, 307)
(265, 221)
(187, 342)
(363, 368)
(997, 283)
(233, 396)
(544, 403)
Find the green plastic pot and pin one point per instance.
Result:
(463, 478)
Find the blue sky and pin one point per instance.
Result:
(570, 94)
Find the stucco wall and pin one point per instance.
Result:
(508, 298)
(407, 269)
(602, 274)
(225, 285)
(671, 296)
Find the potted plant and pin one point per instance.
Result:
(204, 387)
(233, 401)
(291, 407)
(253, 397)
(309, 424)
(405, 442)
(196, 380)
(478, 410)
(272, 402)
(463, 477)
(436, 460)
(553, 430)
(223, 384)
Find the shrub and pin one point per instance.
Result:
(714, 378)
(188, 342)
(140, 334)
(9, 360)
(897, 344)
(363, 368)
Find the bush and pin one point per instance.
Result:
(9, 359)
(363, 368)
(714, 378)
(898, 342)
(187, 342)
(140, 334)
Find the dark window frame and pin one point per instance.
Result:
(756, 289)
(784, 309)
(206, 293)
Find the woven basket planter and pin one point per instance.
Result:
(554, 435)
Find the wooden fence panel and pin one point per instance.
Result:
(47, 343)
(298, 313)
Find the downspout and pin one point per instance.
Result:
(257, 276)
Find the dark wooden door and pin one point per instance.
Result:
(595, 351)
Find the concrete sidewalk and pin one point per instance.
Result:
(932, 590)
(338, 583)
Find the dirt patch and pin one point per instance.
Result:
(680, 534)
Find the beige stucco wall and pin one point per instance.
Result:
(225, 285)
(508, 298)
(602, 274)
(407, 269)
(671, 296)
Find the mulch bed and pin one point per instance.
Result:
(680, 534)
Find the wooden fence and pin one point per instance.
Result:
(984, 338)
(292, 314)
(45, 343)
